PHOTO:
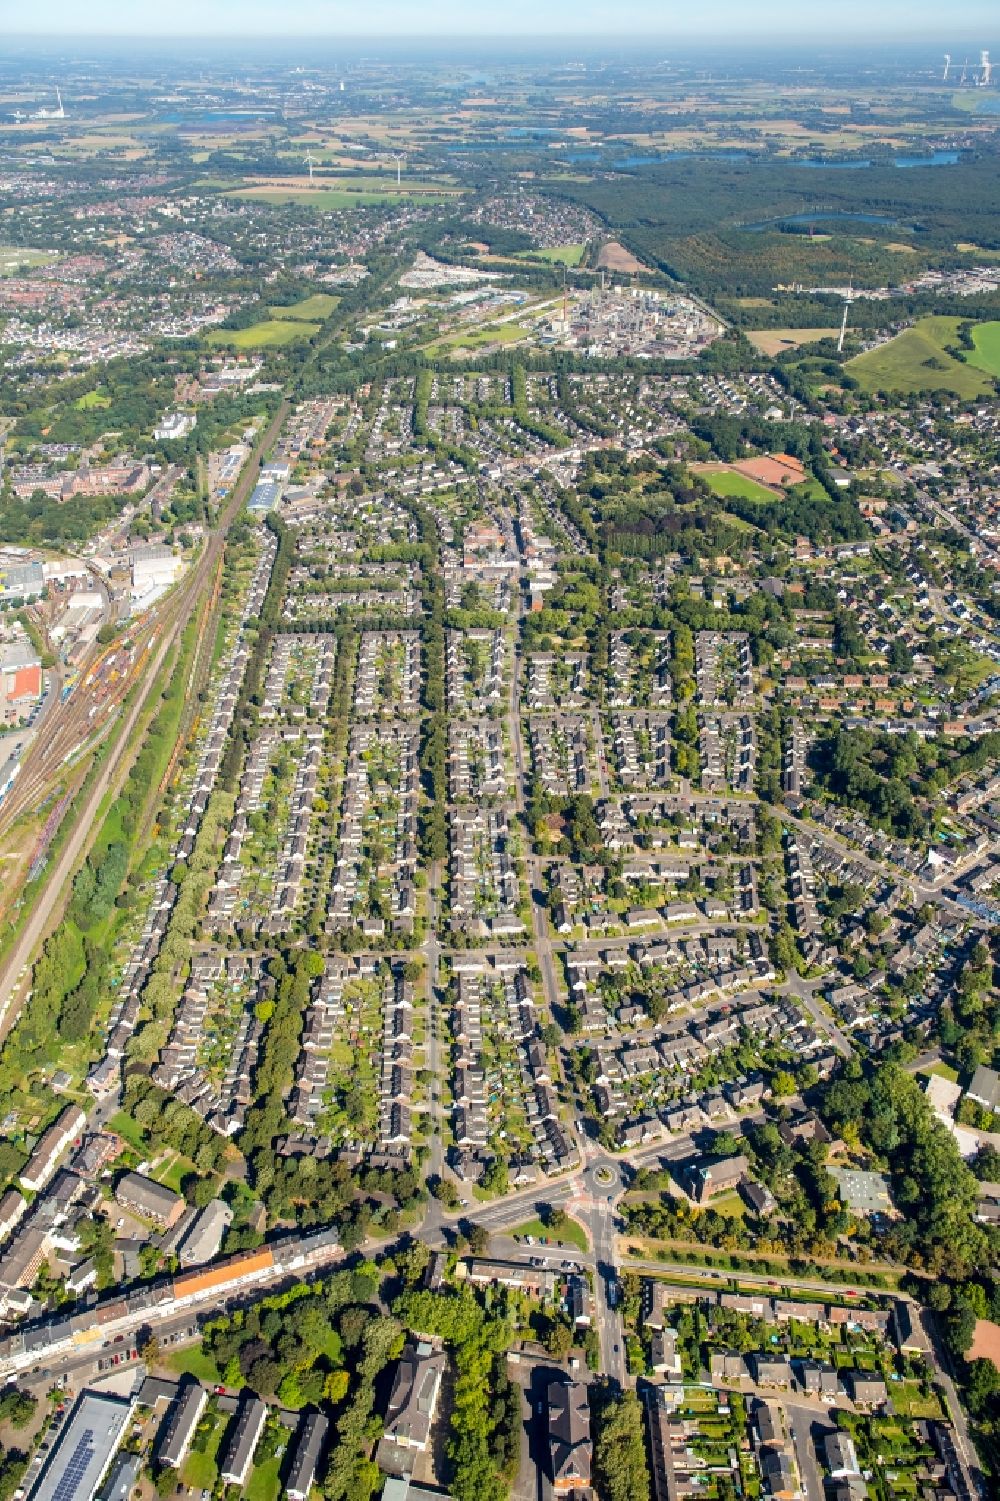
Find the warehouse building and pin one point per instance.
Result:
(84, 1449)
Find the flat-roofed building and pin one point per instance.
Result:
(181, 1423)
(244, 1436)
(80, 1456)
(308, 1451)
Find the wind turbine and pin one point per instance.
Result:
(947, 65)
(399, 160)
(311, 161)
(843, 321)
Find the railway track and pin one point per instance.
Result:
(164, 632)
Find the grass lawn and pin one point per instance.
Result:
(263, 1484)
(316, 308)
(92, 399)
(909, 1400)
(943, 1071)
(986, 337)
(200, 1469)
(192, 1361)
(916, 360)
(124, 1126)
(571, 1234)
(810, 489)
(264, 335)
(559, 255)
(727, 483)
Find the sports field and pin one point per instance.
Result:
(917, 360)
(18, 258)
(268, 334)
(728, 484)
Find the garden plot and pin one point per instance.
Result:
(299, 677)
(373, 885)
(641, 744)
(505, 1109)
(336, 1089)
(211, 1053)
(485, 890)
(562, 753)
(639, 670)
(557, 682)
(727, 744)
(474, 667)
(387, 683)
(724, 668)
(477, 769)
(261, 880)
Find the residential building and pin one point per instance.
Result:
(179, 1428)
(309, 1442)
(149, 1199)
(570, 1447)
(243, 1439)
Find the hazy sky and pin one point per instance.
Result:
(722, 18)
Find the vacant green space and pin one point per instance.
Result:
(124, 1126)
(268, 333)
(92, 399)
(726, 483)
(560, 255)
(917, 360)
(316, 308)
(191, 1361)
(263, 1484)
(570, 1234)
(986, 356)
(474, 338)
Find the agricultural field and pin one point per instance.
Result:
(316, 308)
(270, 333)
(918, 360)
(772, 341)
(325, 199)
